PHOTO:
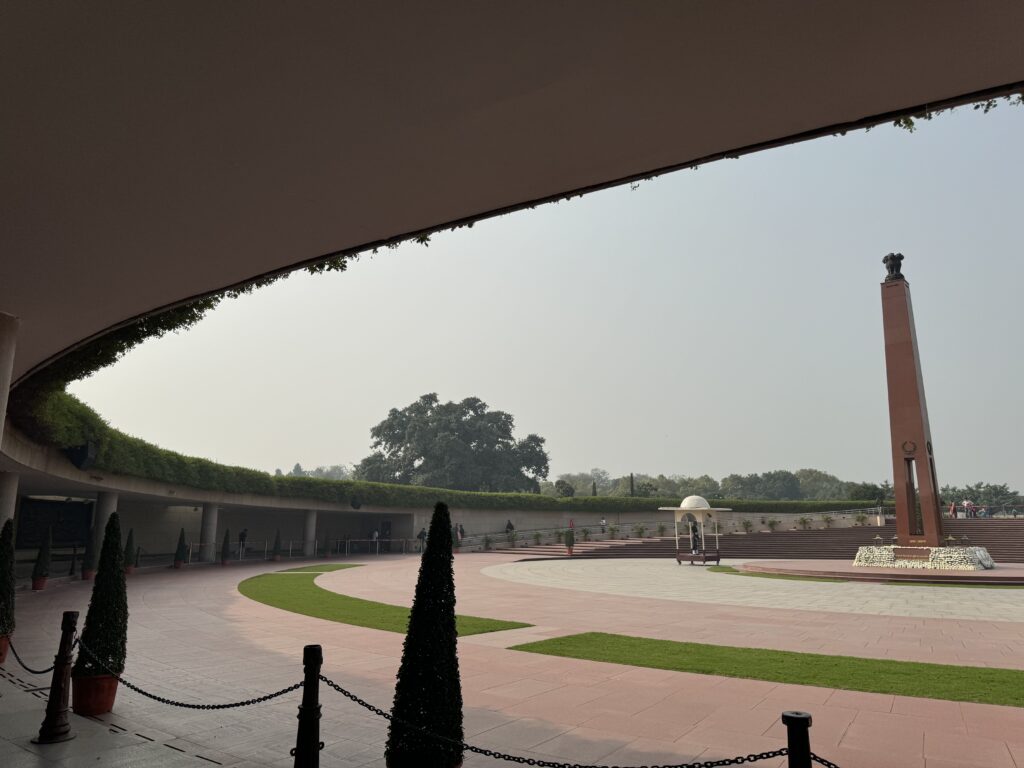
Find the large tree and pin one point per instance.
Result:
(462, 446)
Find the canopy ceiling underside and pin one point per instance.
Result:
(157, 151)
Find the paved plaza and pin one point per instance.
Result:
(193, 637)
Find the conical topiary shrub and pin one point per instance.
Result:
(41, 570)
(276, 553)
(89, 558)
(105, 633)
(428, 693)
(181, 551)
(129, 552)
(225, 548)
(6, 586)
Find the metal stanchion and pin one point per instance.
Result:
(307, 739)
(798, 738)
(55, 725)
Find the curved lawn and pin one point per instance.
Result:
(294, 590)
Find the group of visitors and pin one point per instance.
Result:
(969, 510)
(458, 534)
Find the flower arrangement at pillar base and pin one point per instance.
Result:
(928, 558)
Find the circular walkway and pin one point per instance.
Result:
(665, 580)
(192, 636)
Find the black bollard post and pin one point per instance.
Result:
(798, 738)
(307, 740)
(55, 727)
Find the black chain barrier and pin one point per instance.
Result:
(753, 758)
(547, 763)
(25, 666)
(185, 704)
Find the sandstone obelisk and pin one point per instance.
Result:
(918, 520)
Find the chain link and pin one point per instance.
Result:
(823, 761)
(535, 761)
(185, 704)
(25, 666)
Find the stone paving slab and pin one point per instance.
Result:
(193, 636)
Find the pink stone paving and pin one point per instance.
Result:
(194, 637)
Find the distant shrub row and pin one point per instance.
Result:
(63, 421)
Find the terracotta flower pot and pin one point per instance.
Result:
(93, 695)
(4, 643)
(178, 563)
(87, 574)
(38, 583)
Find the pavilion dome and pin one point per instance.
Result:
(694, 502)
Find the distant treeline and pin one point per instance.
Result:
(781, 484)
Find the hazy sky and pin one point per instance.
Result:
(720, 320)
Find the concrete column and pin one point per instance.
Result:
(309, 540)
(208, 534)
(8, 337)
(106, 505)
(8, 496)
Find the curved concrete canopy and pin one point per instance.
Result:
(153, 152)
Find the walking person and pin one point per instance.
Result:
(462, 532)
(422, 536)
(242, 536)
(570, 539)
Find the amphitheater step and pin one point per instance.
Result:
(1004, 540)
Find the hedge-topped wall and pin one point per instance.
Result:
(63, 421)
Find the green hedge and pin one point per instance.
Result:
(63, 421)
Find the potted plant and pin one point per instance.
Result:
(559, 535)
(639, 530)
(129, 553)
(487, 542)
(661, 529)
(89, 558)
(225, 548)
(772, 524)
(537, 537)
(428, 692)
(827, 520)
(861, 519)
(586, 533)
(6, 587)
(181, 551)
(41, 570)
(613, 531)
(275, 555)
(104, 637)
(747, 526)
(804, 523)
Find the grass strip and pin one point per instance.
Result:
(784, 576)
(299, 594)
(324, 568)
(985, 685)
(951, 586)
(836, 580)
